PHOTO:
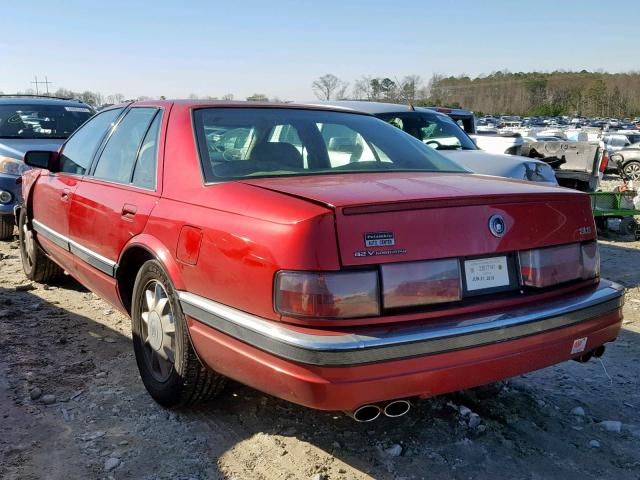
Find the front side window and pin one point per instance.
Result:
(119, 155)
(79, 150)
(264, 142)
(42, 121)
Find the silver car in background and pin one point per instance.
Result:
(440, 132)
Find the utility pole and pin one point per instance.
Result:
(46, 83)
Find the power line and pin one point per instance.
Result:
(46, 83)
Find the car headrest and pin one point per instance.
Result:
(282, 153)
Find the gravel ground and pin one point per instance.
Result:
(72, 406)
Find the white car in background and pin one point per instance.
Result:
(440, 132)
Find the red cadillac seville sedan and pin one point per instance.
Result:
(321, 256)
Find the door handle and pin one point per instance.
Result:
(128, 210)
(64, 196)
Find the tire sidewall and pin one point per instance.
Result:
(169, 392)
(28, 269)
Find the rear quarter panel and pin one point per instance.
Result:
(248, 233)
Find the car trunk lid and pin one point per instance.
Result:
(396, 217)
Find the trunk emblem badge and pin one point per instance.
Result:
(497, 226)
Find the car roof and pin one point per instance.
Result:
(35, 100)
(376, 108)
(197, 103)
(365, 106)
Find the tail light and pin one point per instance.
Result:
(590, 260)
(604, 162)
(549, 266)
(421, 283)
(360, 293)
(327, 294)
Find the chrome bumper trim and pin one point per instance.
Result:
(388, 343)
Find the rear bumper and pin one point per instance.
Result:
(341, 371)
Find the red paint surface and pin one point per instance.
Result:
(189, 244)
(346, 388)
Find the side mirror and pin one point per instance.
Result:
(41, 159)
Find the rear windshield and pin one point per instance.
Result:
(266, 142)
(41, 121)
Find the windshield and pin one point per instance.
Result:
(266, 142)
(41, 121)
(438, 132)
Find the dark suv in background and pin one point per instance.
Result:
(30, 122)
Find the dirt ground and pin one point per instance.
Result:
(73, 407)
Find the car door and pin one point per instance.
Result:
(53, 193)
(113, 201)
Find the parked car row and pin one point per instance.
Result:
(317, 253)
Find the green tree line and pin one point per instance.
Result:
(595, 94)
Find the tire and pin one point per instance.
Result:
(6, 227)
(631, 170)
(35, 263)
(628, 226)
(169, 368)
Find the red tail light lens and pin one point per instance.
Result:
(545, 267)
(421, 283)
(604, 162)
(328, 294)
(590, 260)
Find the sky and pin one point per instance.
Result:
(277, 48)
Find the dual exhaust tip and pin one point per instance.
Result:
(398, 408)
(368, 413)
(597, 353)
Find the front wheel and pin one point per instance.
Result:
(35, 263)
(6, 227)
(168, 365)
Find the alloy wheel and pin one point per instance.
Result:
(632, 171)
(158, 331)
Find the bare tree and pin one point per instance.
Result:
(362, 88)
(329, 86)
(227, 96)
(409, 88)
(115, 98)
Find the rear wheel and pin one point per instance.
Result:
(168, 365)
(35, 263)
(628, 226)
(631, 170)
(6, 227)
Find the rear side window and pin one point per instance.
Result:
(144, 173)
(79, 150)
(119, 155)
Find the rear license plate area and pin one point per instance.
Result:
(483, 275)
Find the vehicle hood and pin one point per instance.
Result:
(502, 165)
(343, 190)
(17, 147)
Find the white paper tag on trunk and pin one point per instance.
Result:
(579, 345)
